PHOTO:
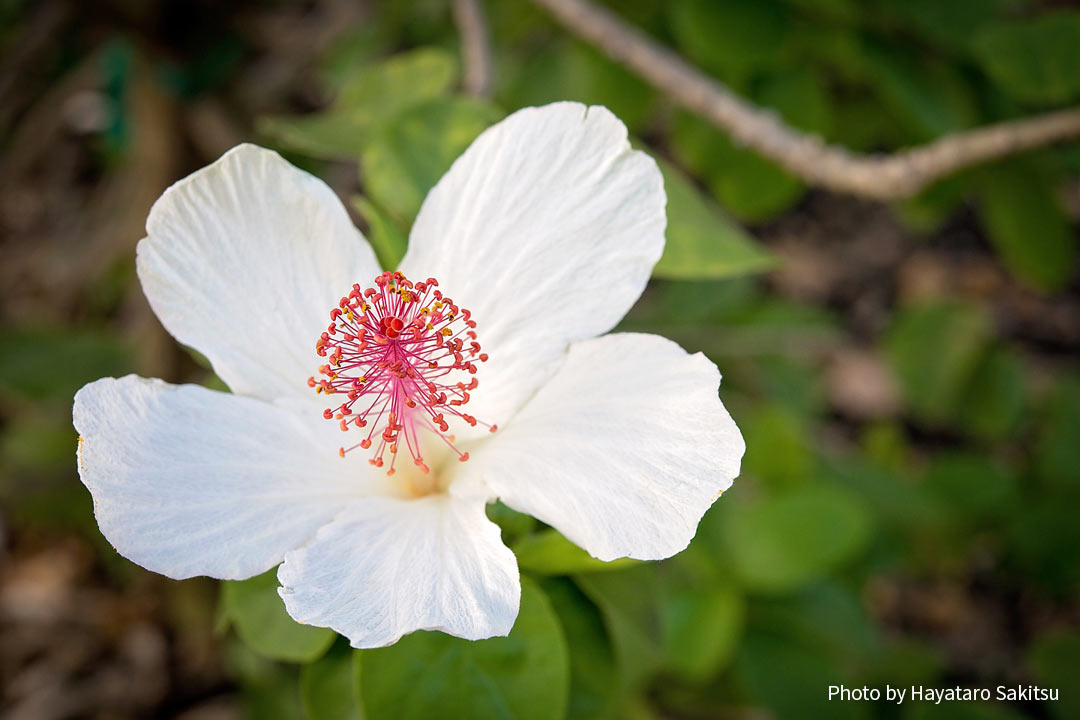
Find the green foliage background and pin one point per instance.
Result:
(817, 568)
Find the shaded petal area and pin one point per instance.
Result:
(623, 451)
(387, 567)
(187, 481)
(547, 229)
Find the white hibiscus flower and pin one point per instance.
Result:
(546, 229)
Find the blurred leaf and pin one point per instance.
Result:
(572, 71)
(902, 662)
(594, 680)
(1044, 542)
(257, 612)
(1034, 60)
(270, 690)
(792, 383)
(1054, 659)
(932, 97)
(549, 553)
(371, 97)
(407, 157)
(934, 349)
(972, 486)
(701, 629)
(768, 661)
(1027, 226)
(514, 525)
(329, 134)
(905, 507)
(825, 615)
(350, 52)
(950, 23)
(398, 83)
(777, 451)
(386, 237)
(1057, 450)
(780, 543)
(629, 600)
(328, 686)
(428, 674)
(798, 94)
(752, 188)
(729, 38)
(29, 358)
(962, 711)
(38, 443)
(928, 211)
(701, 242)
(994, 401)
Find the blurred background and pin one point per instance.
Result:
(905, 374)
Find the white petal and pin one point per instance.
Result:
(547, 229)
(623, 451)
(187, 481)
(387, 567)
(244, 260)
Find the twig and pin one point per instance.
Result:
(475, 47)
(882, 177)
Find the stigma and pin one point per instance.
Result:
(402, 357)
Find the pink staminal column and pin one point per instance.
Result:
(403, 358)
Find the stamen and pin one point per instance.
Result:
(405, 352)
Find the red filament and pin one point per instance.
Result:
(402, 356)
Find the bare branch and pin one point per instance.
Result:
(882, 177)
(475, 47)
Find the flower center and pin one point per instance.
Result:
(401, 354)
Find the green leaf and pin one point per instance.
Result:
(729, 38)
(964, 711)
(630, 601)
(403, 81)
(407, 157)
(31, 360)
(752, 188)
(270, 690)
(777, 448)
(1027, 226)
(524, 676)
(35, 442)
(1034, 60)
(329, 689)
(994, 401)
(327, 134)
(951, 24)
(932, 97)
(1044, 541)
(972, 486)
(385, 235)
(257, 612)
(701, 629)
(1057, 450)
(1054, 659)
(780, 543)
(768, 661)
(513, 524)
(702, 244)
(370, 98)
(573, 71)
(934, 349)
(594, 678)
(549, 553)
